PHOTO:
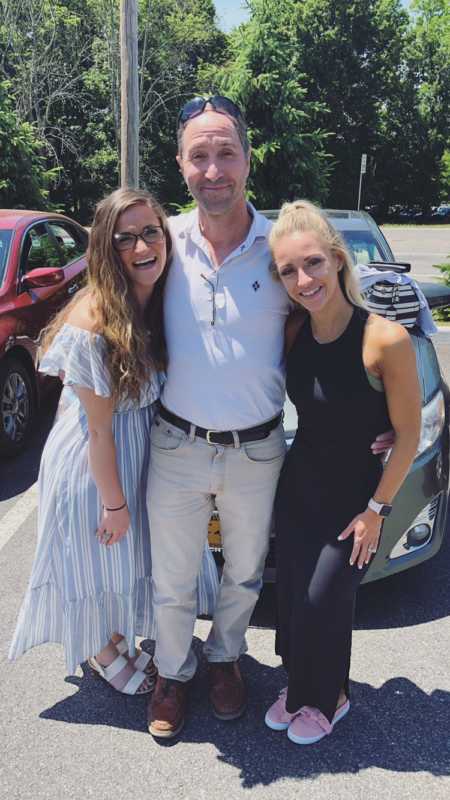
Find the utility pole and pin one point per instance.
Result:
(129, 162)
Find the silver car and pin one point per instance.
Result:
(415, 529)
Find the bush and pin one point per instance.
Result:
(443, 314)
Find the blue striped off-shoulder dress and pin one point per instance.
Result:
(80, 591)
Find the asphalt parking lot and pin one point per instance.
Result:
(71, 736)
(421, 246)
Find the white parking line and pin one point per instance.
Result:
(17, 515)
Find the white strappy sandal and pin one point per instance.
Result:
(143, 661)
(135, 684)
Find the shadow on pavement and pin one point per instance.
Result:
(418, 595)
(96, 703)
(396, 727)
(19, 473)
(413, 597)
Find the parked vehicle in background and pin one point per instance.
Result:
(414, 215)
(415, 529)
(442, 213)
(42, 264)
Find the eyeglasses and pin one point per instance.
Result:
(221, 104)
(151, 234)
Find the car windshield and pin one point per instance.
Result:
(363, 247)
(5, 239)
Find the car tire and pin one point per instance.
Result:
(17, 406)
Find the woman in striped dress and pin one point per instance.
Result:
(90, 586)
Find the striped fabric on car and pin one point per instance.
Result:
(396, 302)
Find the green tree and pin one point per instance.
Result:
(414, 120)
(351, 53)
(444, 178)
(264, 74)
(62, 59)
(48, 58)
(46, 52)
(23, 178)
(177, 37)
(429, 65)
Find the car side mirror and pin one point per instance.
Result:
(42, 276)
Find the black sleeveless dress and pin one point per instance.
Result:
(328, 477)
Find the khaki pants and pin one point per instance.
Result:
(185, 474)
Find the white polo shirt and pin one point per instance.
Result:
(228, 375)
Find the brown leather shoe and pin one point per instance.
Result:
(167, 707)
(226, 690)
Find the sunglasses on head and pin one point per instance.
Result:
(196, 106)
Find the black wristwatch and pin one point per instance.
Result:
(382, 509)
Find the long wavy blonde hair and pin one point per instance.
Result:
(135, 342)
(302, 216)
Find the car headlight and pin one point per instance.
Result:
(433, 421)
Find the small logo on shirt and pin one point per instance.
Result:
(256, 286)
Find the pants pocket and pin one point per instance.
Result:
(166, 437)
(266, 451)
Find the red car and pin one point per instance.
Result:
(42, 264)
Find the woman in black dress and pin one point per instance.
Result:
(351, 375)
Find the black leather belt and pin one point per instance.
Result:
(222, 437)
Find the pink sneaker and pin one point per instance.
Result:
(310, 725)
(277, 717)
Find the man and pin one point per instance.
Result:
(219, 434)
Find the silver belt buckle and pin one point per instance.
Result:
(208, 434)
